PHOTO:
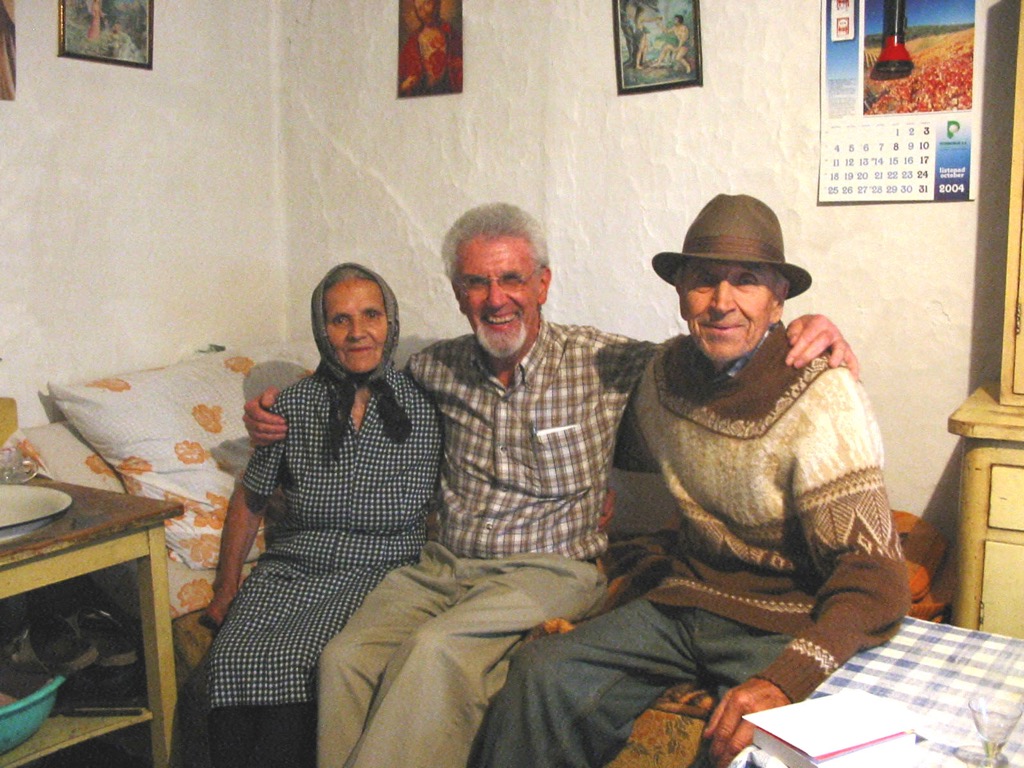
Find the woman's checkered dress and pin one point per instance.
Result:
(349, 520)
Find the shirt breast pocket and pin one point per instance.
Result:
(562, 459)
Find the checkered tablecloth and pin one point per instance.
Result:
(934, 669)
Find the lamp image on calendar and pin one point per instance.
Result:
(918, 56)
(894, 62)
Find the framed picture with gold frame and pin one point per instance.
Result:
(657, 44)
(109, 31)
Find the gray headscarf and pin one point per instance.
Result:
(341, 383)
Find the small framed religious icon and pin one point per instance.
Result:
(109, 31)
(657, 44)
(430, 47)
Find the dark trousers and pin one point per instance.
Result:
(570, 700)
(277, 736)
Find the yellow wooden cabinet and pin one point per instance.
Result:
(990, 539)
(991, 529)
(1011, 389)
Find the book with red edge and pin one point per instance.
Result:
(849, 729)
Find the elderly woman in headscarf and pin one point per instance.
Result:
(358, 471)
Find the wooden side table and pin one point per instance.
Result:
(99, 530)
(990, 541)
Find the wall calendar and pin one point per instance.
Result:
(897, 101)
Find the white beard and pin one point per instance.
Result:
(500, 346)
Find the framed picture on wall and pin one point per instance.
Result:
(429, 47)
(8, 66)
(657, 44)
(111, 31)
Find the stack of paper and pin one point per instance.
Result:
(850, 729)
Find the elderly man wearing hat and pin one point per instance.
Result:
(785, 563)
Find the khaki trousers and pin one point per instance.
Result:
(408, 680)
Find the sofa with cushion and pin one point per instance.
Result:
(176, 432)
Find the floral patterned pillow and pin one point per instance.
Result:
(62, 455)
(159, 430)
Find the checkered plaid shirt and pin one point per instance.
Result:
(526, 468)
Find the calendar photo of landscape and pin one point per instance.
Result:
(939, 38)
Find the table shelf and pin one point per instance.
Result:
(59, 732)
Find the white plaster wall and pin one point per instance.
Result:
(146, 214)
(140, 211)
(915, 287)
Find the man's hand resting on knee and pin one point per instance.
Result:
(727, 731)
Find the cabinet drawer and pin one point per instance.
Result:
(1001, 595)
(1006, 501)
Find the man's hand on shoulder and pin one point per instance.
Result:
(264, 427)
(811, 335)
(727, 730)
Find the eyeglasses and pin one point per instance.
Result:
(510, 282)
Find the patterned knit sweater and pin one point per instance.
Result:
(785, 523)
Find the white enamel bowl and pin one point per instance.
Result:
(24, 508)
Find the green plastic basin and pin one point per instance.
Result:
(20, 719)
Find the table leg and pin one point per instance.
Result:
(158, 644)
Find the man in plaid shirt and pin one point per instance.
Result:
(530, 411)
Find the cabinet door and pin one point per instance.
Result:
(1006, 499)
(1002, 596)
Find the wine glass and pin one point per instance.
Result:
(994, 717)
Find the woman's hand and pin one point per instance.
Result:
(217, 610)
(241, 524)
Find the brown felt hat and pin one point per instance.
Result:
(735, 228)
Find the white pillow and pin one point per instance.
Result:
(64, 456)
(158, 429)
